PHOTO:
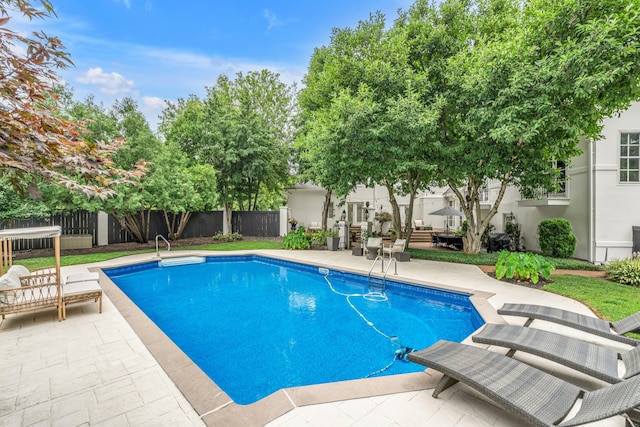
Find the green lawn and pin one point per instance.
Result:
(35, 263)
(610, 300)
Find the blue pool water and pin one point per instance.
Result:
(255, 325)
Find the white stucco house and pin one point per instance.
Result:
(601, 198)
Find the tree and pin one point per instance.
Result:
(364, 121)
(520, 83)
(134, 202)
(35, 141)
(242, 129)
(177, 189)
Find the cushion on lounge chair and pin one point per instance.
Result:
(590, 324)
(9, 280)
(80, 288)
(86, 276)
(537, 397)
(20, 270)
(591, 359)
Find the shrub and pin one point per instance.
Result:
(522, 266)
(556, 238)
(625, 271)
(296, 240)
(219, 237)
(319, 238)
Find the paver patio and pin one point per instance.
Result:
(93, 369)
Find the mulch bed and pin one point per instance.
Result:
(540, 285)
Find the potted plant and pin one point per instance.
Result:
(293, 222)
(332, 240)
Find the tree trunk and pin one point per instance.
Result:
(472, 241)
(182, 225)
(395, 209)
(181, 218)
(227, 209)
(130, 223)
(325, 209)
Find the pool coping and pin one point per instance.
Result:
(216, 408)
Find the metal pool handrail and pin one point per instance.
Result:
(166, 241)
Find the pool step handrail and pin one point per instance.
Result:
(376, 280)
(395, 264)
(166, 241)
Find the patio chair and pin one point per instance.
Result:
(398, 246)
(418, 224)
(538, 398)
(73, 292)
(593, 325)
(373, 246)
(591, 359)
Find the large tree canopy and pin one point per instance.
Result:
(512, 86)
(364, 119)
(243, 130)
(522, 84)
(35, 141)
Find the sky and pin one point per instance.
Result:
(156, 50)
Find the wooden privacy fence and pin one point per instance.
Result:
(80, 222)
(256, 223)
(201, 224)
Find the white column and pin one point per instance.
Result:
(102, 238)
(284, 218)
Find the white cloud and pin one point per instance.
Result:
(108, 83)
(152, 107)
(272, 19)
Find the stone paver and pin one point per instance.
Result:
(92, 369)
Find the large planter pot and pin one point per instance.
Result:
(356, 251)
(332, 243)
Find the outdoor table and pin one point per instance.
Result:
(451, 241)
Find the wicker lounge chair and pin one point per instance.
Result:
(603, 328)
(537, 397)
(591, 359)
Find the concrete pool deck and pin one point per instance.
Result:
(98, 369)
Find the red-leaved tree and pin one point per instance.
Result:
(34, 140)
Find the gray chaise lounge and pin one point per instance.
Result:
(610, 330)
(591, 359)
(537, 397)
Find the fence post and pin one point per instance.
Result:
(284, 220)
(102, 229)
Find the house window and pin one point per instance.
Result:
(483, 195)
(355, 210)
(330, 212)
(561, 180)
(630, 157)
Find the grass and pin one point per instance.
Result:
(607, 299)
(484, 258)
(35, 263)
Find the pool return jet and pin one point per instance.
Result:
(401, 352)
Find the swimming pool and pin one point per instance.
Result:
(255, 325)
